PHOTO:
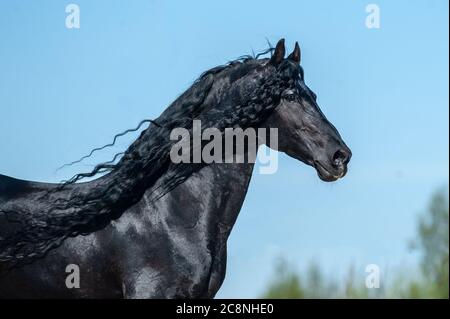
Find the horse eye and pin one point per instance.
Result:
(290, 96)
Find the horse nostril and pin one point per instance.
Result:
(341, 157)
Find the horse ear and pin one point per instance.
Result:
(278, 54)
(296, 54)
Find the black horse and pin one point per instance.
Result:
(150, 228)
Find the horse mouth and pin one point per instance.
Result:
(326, 174)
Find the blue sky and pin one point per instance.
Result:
(63, 92)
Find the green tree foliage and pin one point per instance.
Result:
(432, 242)
(286, 285)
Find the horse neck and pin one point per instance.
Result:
(231, 189)
(215, 194)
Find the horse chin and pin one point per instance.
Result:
(327, 175)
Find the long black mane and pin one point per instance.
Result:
(35, 218)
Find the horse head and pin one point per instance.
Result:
(304, 131)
